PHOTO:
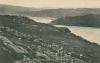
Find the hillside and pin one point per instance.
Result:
(17, 10)
(23, 40)
(45, 12)
(89, 20)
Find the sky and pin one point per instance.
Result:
(54, 3)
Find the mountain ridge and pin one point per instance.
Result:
(40, 12)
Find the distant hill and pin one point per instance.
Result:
(23, 40)
(16, 10)
(89, 20)
(45, 12)
(60, 12)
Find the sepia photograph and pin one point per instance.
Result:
(49, 31)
